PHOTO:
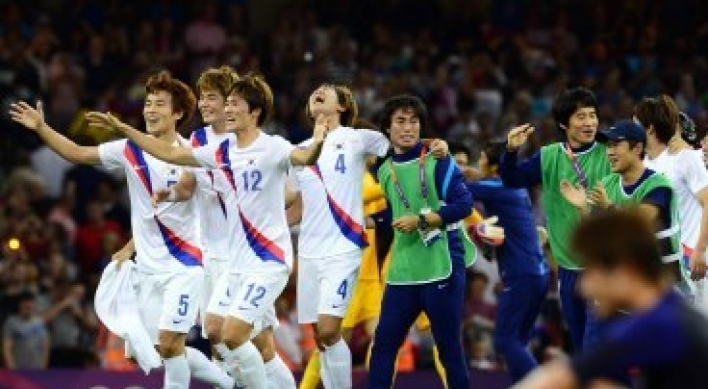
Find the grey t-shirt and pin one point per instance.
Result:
(28, 337)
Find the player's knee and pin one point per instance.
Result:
(328, 336)
(236, 333)
(267, 350)
(213, 332)
(171, 344)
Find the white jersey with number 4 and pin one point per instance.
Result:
(333, 217)
(165, 237)
(214, 196)
(257, 174)
(688, 176)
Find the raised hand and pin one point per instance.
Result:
(575, 194)
(28, 116)
(518, 136)
(105, 121)
(322, 127)
(439, 148)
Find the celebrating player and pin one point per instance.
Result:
(684, 167)
(631, 183)
(168, 259)
(332, 232)
(578, 159)
(522, 266)
(256, 165)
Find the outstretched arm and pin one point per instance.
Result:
(308, 156)
(161, 150)
(33, 119)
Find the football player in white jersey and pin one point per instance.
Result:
(684, 167)
(216, 225)
(257, 166)
(168, 258)
(332, 230)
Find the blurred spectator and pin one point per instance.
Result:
(90, 237)
(25, 337)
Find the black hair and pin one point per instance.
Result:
(610, 239)
(662, 114)
(457, 147)
(402, 102)
(568, 102)
(494, 149)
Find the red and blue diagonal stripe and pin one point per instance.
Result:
(199, 138)
(222, 159)
(183, 251)
(136, 159)
(347, 225)
(264, 248)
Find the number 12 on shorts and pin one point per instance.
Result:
(258, 293)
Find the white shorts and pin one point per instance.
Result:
(325, 285)
(214, 270)
(250, 297)
(170, 301)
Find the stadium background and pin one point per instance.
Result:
(481, 66)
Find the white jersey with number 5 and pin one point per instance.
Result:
(217, 218)
(257, 174)
(333, 217)
(165, 238)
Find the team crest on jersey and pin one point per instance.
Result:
(171, 175)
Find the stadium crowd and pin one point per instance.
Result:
(482, 67)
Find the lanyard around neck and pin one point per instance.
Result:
(576, 165)
(421, 176)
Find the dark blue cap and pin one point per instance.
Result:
(624, 130)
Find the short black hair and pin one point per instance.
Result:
(494, 149)
(568, 102)
(401, 102)
(617, 237)
(457, 147)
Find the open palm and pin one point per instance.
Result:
(28, 116)
(104, 121)
(575, 194)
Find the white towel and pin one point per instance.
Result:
(117, 307)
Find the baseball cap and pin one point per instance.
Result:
(624, 130)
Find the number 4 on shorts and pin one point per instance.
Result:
(342, 290)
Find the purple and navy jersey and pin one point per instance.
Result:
(256, 175)
(521, 253)
(333, 216)
(165, 240)
(668, 343)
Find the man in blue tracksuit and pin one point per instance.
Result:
(522, 266)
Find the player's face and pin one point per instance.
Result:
(324, 101)
(621, 156)
(484, 164)
(461, 159)
(608, 288)
(405, 129)
(211, 106)
(582, 126)
(158, 113)
(236, 112)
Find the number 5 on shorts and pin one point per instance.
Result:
(183, 304)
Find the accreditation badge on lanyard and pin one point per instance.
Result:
(428, 235)
(576, 165)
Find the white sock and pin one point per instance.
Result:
(246, 363)
(177, 373)
(336, 362)
(207, 371)
(324, 372)
(279, 376)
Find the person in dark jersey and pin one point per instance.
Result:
(662, 335)
(522, 266)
